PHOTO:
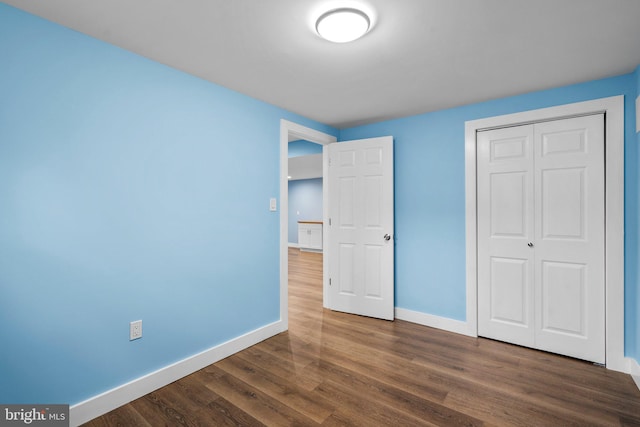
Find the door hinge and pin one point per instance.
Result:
(329, 281)
(329, 222)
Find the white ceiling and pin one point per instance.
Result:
(305, 167)
(420, 56)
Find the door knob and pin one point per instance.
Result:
(530, 244)
(387, 237)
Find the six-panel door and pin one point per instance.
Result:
(541, 236)
(361, 230)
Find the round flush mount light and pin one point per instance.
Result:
(343, 25)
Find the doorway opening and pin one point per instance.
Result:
(290, 131)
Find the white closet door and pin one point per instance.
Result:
(569, 244)
(541, 236)
(505, 227)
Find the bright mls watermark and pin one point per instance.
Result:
(34, 415)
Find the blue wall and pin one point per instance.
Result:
(429, 197)
(117, 179)
(305, 203)
(303, 148)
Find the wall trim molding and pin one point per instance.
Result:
(98, 405)
(613, 108)
(294, 245)
(634, 370)
(315, 251)
(444, 323)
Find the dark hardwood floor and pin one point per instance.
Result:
(335, 369)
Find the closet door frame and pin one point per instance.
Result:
(613, 109)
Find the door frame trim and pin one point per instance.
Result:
(613, 108)
(298, 131)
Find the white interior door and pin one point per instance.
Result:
(505, 227)
(541, 236)
(361, 244)
(569, 244)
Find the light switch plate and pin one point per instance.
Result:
(638, 114)
(273, 204)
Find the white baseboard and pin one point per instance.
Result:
(634, 370)
(451, 325)
(114, 398)
(297, 246)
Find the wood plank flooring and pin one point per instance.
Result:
(335, 369)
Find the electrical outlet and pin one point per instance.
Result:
(135, 330)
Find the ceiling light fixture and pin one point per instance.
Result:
(343, 25)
